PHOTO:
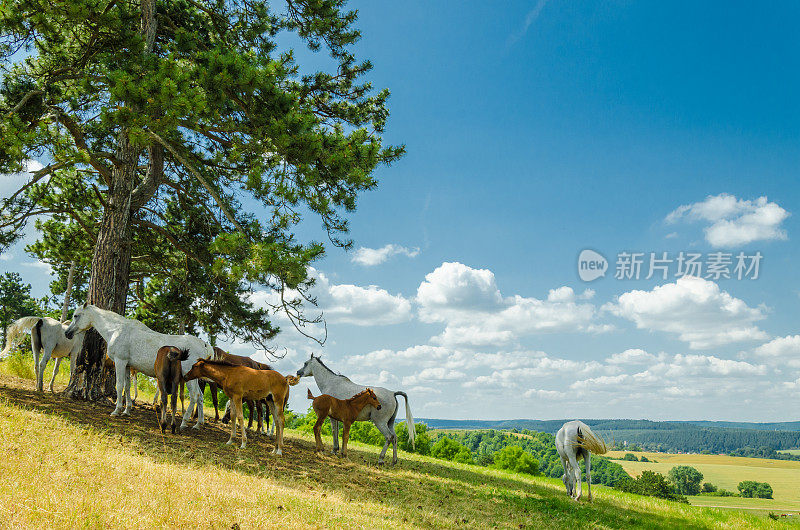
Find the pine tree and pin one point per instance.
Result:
(136, 105)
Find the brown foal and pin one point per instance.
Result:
(168, 374)
(241, 382)
(344, 410)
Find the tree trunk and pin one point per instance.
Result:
(111, 262)
(108, 286)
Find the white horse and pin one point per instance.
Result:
(340, 387)
(131, 344)
(47, 340)
(574, 440)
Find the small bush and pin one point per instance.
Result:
(20, 364)
(753, 489)
(630, 457)
(708, 488)
(514, 458)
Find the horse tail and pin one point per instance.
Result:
(16, 330)
(176, 354)
(291, 379)
(590, 441)
(412, 431)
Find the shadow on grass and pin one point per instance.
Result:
(420, 492)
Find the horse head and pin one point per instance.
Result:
(80, 321)
(306, 369)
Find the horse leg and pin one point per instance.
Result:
(587, 458)
(120, 370)
(234, 419)
(240, 418)
(277, 417)
(174, 397)
(193, 395)
(317, 433)
(335, 434)
(576, 473)
(260, 416)
(164, 398)
(214, 389)
(135, 383)
(345, 436)
(250, 407)
(36, 347)
(270, 427)
(128, 402)
(387, 435)
(55, 373)
(42, 366)
(390, 425)
(183, 406)
(227, 416)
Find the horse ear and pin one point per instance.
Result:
(86, 304)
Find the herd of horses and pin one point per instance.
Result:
(185, 361)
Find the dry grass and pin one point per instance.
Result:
(67, 464)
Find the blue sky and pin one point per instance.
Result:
(538, 129)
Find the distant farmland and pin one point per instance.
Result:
(726, 472)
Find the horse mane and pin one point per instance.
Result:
(365, 391)
(220, 362)
(331, 371)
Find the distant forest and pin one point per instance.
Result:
(743, 439)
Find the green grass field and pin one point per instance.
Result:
(726, 472)
(791, 451)
(67, 464)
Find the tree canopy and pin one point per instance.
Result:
(184, 143)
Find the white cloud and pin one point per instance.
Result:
(475, 313)
(369, 257)
(695, 309)
(631, 356)
(349, 304)
(735, 221)
(433, 374)
(11, 182)
(545, 394)
(788, 346)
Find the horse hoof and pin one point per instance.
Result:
(197, 426)
(242, 446)
(380, 462)
(277, 452)
(229, 442)
(173, 428)
(125, 413)
(115, 413)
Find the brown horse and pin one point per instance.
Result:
(168, 374)
(256, 408)
(241, 382)
(344, 410)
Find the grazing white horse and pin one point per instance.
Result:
(47, 340)
(340, 387)
(574, 440)
(131, 344)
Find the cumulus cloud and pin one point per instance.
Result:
(780, 347)
(475, 312)
(695, 309)
(734, 221)
(369, 257)
(631, 356)
(349, 304)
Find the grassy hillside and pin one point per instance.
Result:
(726, 472)
(67, 464)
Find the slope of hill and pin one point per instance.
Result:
(68, 464)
